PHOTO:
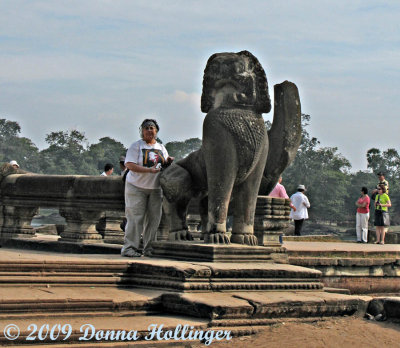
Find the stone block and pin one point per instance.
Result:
(195, 251)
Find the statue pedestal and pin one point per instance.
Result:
(191, 266)
(198, 251)
(271, 218)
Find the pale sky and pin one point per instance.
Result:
(103, 66)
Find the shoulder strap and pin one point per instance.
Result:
(125, 174)
(378, 201)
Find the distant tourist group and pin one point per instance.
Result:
(380, 196)
(299, 204)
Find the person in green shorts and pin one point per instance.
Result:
(382, 203)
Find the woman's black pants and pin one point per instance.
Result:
(298, 224)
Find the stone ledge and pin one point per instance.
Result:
(194, 251)
(345, 262)
(62, 247)
(260, 305)
(343, 253)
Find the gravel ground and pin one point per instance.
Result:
(344, 332)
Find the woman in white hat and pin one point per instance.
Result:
(301, 202)
(14, 164)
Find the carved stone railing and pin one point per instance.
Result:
(81, 200)
(87, 201)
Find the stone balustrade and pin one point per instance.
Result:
(81, 200)
(87, 201)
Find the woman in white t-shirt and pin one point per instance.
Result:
(143, 194)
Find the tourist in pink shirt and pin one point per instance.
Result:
(362, 216)
(279, 191)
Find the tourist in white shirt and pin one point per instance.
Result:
(300, 201)
(108, 170)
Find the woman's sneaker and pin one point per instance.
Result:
(148, 253)
(131, 253)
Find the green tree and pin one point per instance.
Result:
(14, 147)
(387, 161)
(66, 154)
(9, 129)
(180, 149)
(107, 150)
(324, 172)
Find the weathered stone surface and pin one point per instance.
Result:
(17, 221)
(109, 226)
(258, 305)
(211, 306)
(360, 275)
(161, 274)
(284, 135)
(63, 191)
(82, 201)
(195, 251)
(271, 219)
(392, 237)
(102, 290)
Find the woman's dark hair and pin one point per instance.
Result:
(149, 120)
(364, 190)
(383, 188)
(300, 190)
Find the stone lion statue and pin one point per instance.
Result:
(228, 169)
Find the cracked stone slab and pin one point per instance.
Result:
(207, 305)
(258, 305)
(304, 304)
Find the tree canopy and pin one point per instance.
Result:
(323, 171)
(14, 147)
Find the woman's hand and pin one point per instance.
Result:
(154, 169)
(141, 169)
